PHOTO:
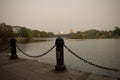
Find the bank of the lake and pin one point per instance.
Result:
(27, 40)
(22, 69)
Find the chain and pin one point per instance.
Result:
(90, 63)
(37, 55)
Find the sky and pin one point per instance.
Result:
(61, 15)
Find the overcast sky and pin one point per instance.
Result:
(57, 15)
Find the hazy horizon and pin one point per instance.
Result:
(57, 15)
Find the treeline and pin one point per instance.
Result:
(95, 34)
(8, 31)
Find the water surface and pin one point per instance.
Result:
(104, 52)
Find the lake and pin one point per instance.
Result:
(104, 52)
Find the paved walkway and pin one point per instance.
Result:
(21, 69)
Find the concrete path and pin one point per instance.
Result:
(22, 69)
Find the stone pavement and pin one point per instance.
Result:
(21, 69)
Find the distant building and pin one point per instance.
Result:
(71, 31)
(61, 32)
(16, 29)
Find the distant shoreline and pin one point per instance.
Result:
(25, 40)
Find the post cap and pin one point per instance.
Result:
(59, 41)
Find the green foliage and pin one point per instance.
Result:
(92, 34)
(50, 34)
(6, 31)
(44, 34)
(25, 33)
(116, 32)
(36, 33)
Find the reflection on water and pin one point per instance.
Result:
(104, 52)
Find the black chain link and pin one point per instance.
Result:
(86, 61)
(37, 55)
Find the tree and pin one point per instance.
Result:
(43, 34)
(36, 33)
(116, 32)
(6, 31)
(50, 34)
(25, 33)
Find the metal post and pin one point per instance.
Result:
(60, 55)
(13, 49)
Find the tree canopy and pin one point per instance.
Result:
(8, 31)
(93, 34)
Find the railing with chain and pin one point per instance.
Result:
(37, 55)
(59, 44)
(14, 46)
(90, 63)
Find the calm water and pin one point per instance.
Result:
(105, 52)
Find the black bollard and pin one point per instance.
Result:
(60, 55)
(13, 49)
